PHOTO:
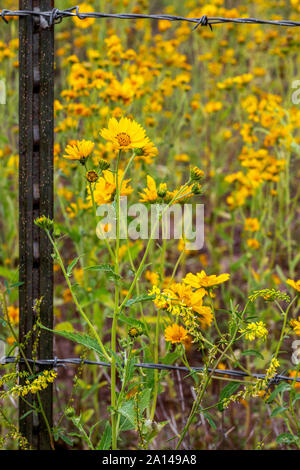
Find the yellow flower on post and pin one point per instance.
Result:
(79, 150)
(125, 134)
(175, 334)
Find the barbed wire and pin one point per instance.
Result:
(56, 362)
(54, 16)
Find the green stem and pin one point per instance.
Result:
(75, 298)
(115, 317)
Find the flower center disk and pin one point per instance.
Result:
(123, 139)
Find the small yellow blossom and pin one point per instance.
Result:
(251, 225)
(176, 334)
(255, 330)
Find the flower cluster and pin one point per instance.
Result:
(37, 385)
(255, 330)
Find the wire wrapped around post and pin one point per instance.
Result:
(36, 199)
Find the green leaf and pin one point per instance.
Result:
(145, 399)
(26, 414)
(131, 321)
(283, 387)
(128, 411)
(107, 268)
(253, 352)
(72, 266)
(7, 273)
(227, 391)
(64, 326)
(79, 338)
(105, 442)
(278, 411)
(86, 415)
(141, 298)
(286, 438)
(210, 420)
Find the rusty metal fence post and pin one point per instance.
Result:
(35, 199)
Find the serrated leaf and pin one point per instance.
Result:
(128, 411)
(64, 326)
(141, 298)
(130, 321)
(145, 399)
(79, 338)
(107, 268)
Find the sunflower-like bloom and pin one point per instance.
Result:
(202, 280)
(294, 284)
(147, 153)
(184, 295)
(150, 192)
(125, 134)
(105, 187)
(79, 150)
(175, 334)
(296, 326)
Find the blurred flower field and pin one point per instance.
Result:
(165, 114)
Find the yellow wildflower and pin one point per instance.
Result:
(79, 150)
(296, 326)
(13, 314)
(87, 22)
(175, 334)
(294, 284)
(255, 330)
(125, 134)
(105, 187)
(150, 192)
(251, 225)
(203, 280)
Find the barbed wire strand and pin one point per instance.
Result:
(56, 362)
(55, 16)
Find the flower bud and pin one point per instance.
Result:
(196, 174)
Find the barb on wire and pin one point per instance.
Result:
(55, 362)
(56, 16)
